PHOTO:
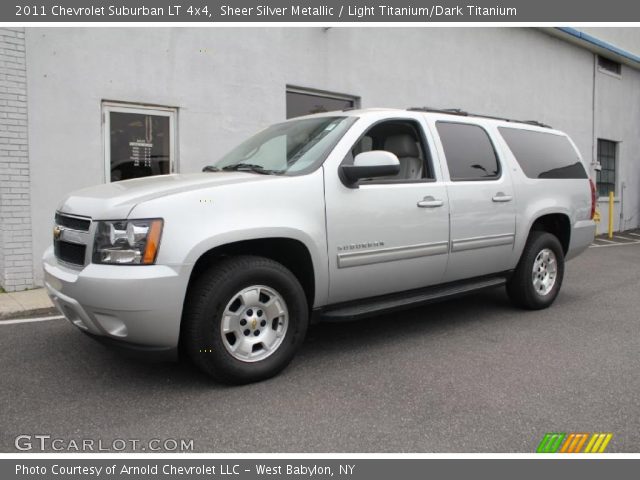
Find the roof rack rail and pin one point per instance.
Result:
(462, 113)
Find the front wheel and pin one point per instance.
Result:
(537, 279)
(244, 319)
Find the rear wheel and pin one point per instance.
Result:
(537, 279)
(244, 319)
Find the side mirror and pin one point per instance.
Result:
(376, 163)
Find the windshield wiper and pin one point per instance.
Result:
(250, 167)
(210, 168)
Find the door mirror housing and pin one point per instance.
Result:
(376, 163)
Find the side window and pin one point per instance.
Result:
(542, 154)
(469, 152)
(404, 139)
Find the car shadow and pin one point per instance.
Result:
(83, 356)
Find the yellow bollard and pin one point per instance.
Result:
(610, 215)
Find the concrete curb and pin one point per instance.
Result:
(25, 303)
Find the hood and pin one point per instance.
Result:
(116, 200)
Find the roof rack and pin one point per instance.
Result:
(462, 113)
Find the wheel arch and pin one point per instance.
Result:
(290, 252)
(558, 224)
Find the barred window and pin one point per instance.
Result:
(606, 177)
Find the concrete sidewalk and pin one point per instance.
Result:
(27, 302)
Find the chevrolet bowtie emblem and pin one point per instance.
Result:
(57, 232)
(254, 324)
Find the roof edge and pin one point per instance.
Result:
(596, 45)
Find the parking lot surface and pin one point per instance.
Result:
(469, 375)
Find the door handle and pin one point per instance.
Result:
(501, 197)
(430, 202)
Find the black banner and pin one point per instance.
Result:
(317, 469)
(209, 11)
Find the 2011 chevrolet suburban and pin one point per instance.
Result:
(333, 216)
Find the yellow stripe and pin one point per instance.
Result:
(596, 445)
(591, 442)
(582, 440)
(605, 443)
(567, 442)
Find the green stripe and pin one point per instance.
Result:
(558, 442)
(543, 443)
(551, 442)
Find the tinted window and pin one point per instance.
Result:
(469, 152)
(543, 155)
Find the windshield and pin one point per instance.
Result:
(287, 148)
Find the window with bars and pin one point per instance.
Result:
(606, 177)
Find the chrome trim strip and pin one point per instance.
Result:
(72, 215)
(355, 259)
(74, 236)
(482, 242)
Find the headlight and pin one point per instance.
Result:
(127, 242)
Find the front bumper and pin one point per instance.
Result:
(136, 307)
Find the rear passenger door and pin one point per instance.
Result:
(481, 201)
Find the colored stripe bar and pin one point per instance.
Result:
(551, 443)
(543, 444)
(594, 437)
(582, 441)
(568, 444)
(598, 442)
(605, 442)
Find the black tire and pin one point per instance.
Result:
(208, 298)
(520, 286)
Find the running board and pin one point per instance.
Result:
(400, 301)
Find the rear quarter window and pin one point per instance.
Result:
(543, 155)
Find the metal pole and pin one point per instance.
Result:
(610, 215)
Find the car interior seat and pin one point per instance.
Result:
(406, 149)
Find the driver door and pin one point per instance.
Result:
(391, 234)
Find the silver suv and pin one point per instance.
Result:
(335, 216)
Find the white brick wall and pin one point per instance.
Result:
(16, 259)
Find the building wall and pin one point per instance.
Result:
(617, 118)
(228, 83)
(16, 266)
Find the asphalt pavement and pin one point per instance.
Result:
(469, 375)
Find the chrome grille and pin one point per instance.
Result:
(71, 238)
(75, 223)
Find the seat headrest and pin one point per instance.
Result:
(402, 145)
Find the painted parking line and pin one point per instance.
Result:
(604, 240)
(14, 321)
(626, 239)
(631, 233)
(614, 244)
